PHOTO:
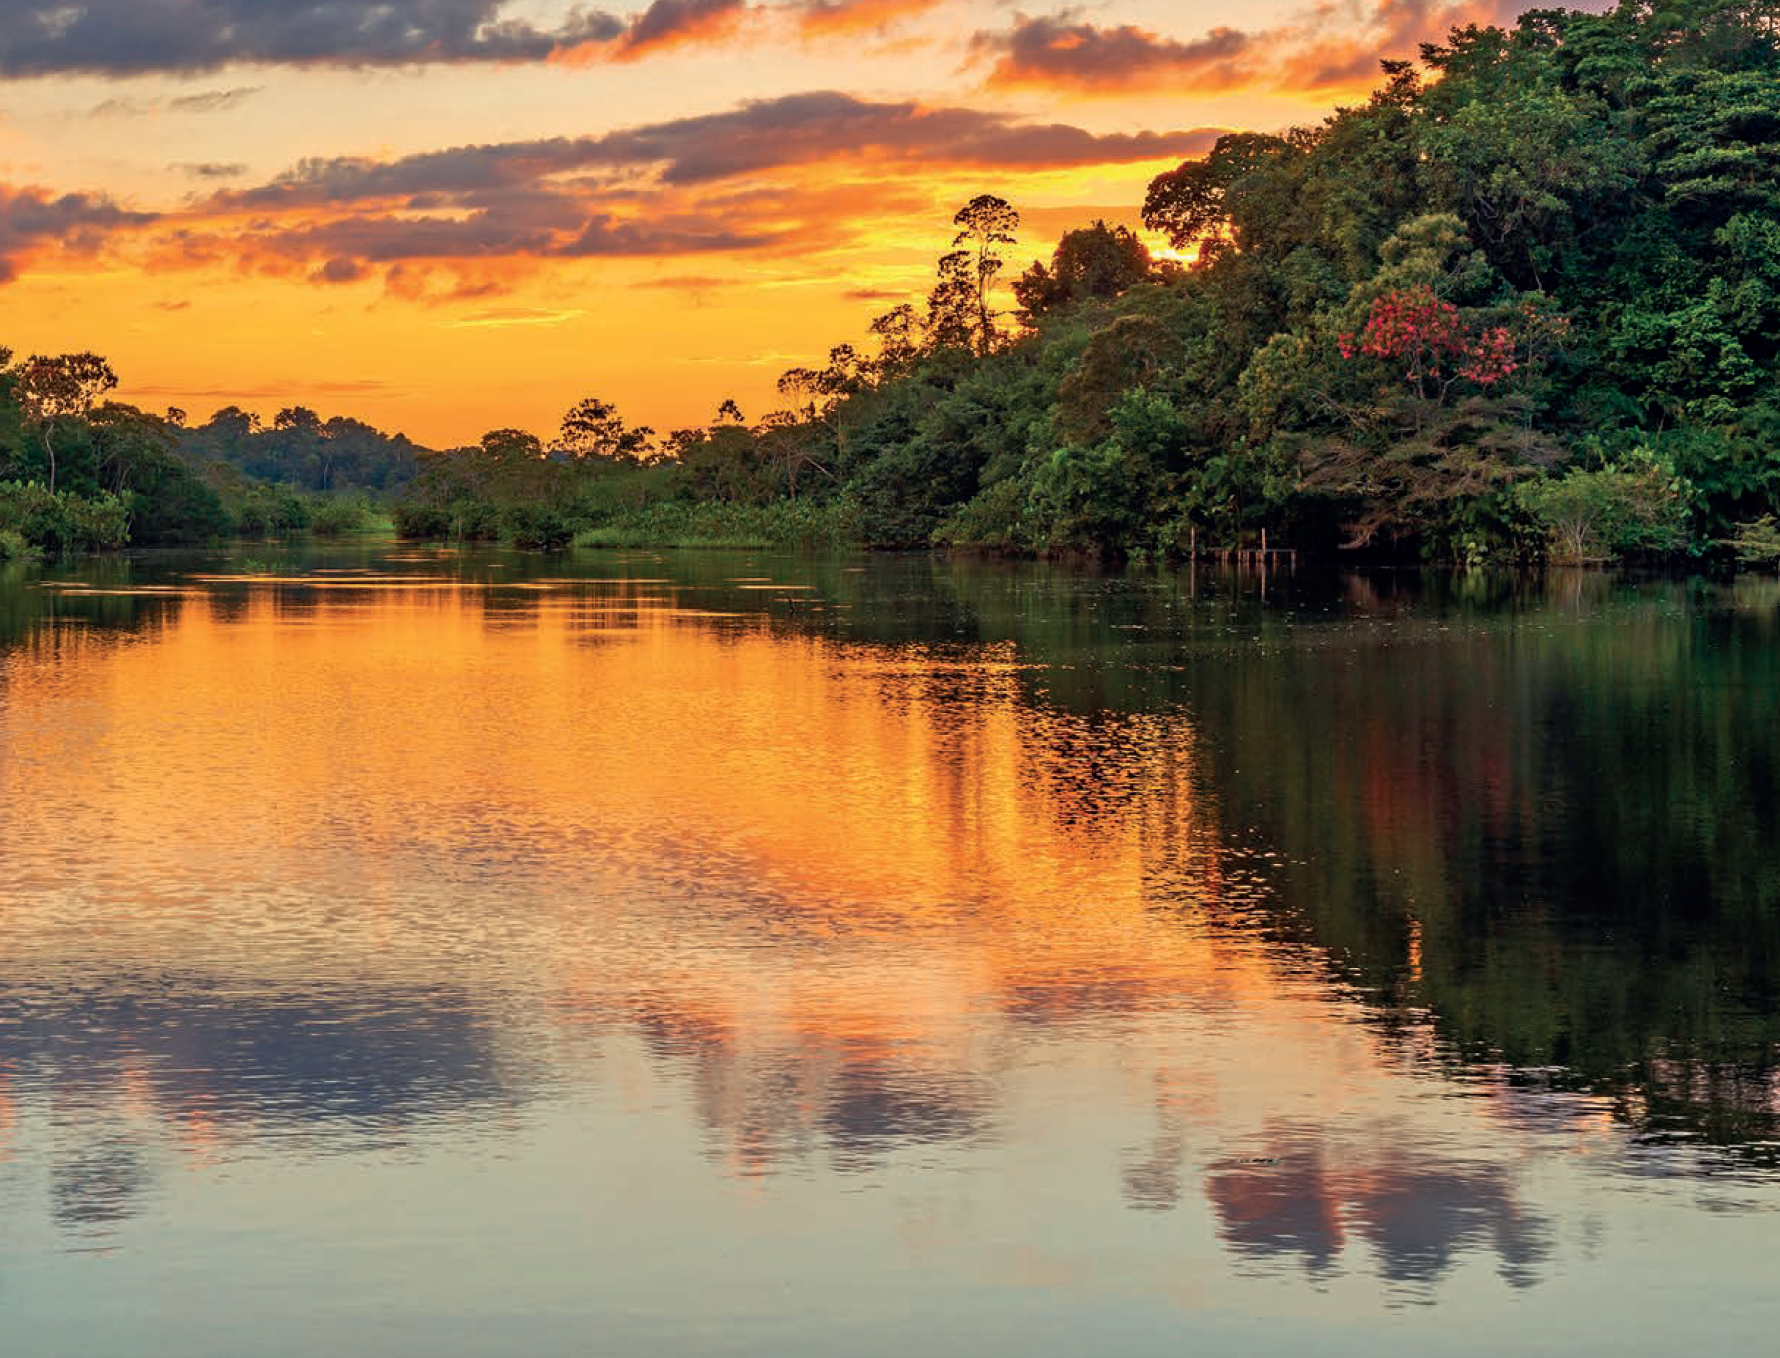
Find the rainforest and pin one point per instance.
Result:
(1520, 305)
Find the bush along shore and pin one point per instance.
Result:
(1521, 305)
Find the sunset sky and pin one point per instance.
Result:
(443, 216)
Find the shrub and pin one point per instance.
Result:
(13, 546)
(333, 516)
(1637, 506)
(62, 522)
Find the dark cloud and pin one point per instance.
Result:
(130, 37)
(1057, 52)
(687, 186)
(32, 219)
(795, 130)
(1330, 45)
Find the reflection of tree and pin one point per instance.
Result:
(99, 607)
(1543, 813)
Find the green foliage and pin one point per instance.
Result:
(1757, 542)
(801, 524)
(1638, 507)
(265, 511)
(13, 546)
(337, 516)
(61, 523)
(302, 450)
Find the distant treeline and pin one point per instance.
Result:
(1523, 304)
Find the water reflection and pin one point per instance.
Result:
(126, 1068)
(1332, 908)
(1304, 1199)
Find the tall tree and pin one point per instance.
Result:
(61, 388)
(983, 223)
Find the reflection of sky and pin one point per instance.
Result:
(691, 952)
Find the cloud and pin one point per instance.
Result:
(743, 180)
(32, 220)
(1054, 52)
(213, 101)
(133, 37)
(502, 317)
(137, 37)
(205, 101)
(760, 136)
(688, 282)
(845, 18)
(1337, 44)
(672, 23)
(210, 169)
(798, 173)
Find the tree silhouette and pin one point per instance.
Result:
(969, 273)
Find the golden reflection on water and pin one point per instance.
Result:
(855, 898)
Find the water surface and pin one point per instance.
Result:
(436, 953)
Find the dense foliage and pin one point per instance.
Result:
(1523, 303)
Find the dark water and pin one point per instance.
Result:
(417, 953)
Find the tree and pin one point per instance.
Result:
(61, 388)
(983, 223)
(1190, 205)
(899, 341)
(594, 429)
(1097, 261)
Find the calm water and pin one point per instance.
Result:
(412, 953)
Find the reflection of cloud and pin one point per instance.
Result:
(98, 1187)
(397, 1053)
(1418, 1213)
(773, 1101)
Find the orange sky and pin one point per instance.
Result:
(443, 216)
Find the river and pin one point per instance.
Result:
(420, 952)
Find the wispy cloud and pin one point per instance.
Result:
(510, 316)
(210, 169)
